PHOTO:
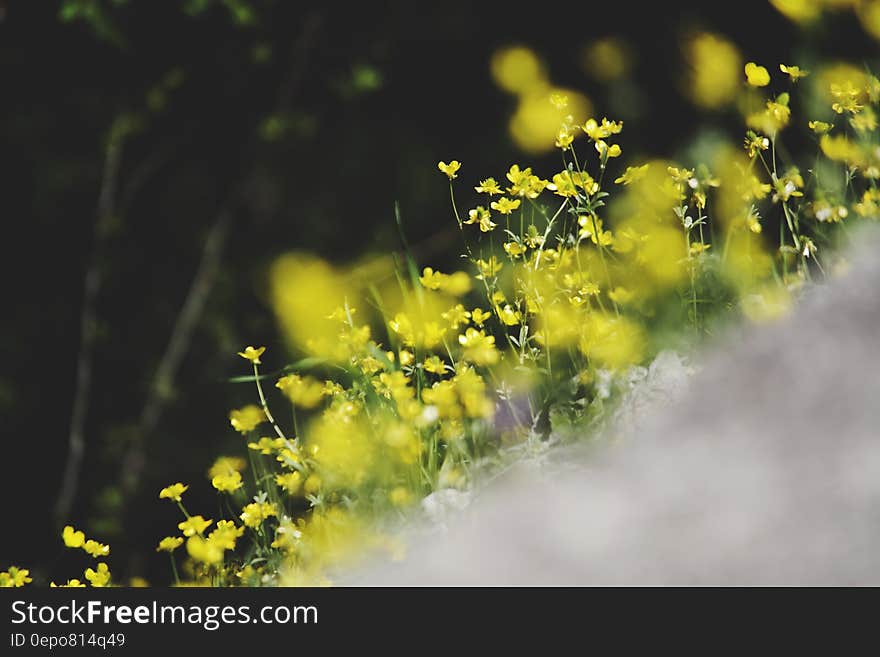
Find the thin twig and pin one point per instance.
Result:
(88, 331)
(181, 336)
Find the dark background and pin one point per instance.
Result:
(372, 96)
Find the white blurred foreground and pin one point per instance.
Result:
(764, 469)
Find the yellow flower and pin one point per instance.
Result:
(840, 149)
(698, 247)
(100, 577)
(757, 76)
(794, 72)
(595, 233)
(96, 549)
(290, 482)
(255, 513)
(489, 268)
(303, 391)
(479, 317)
(479, 348)
(514, 249)
(605, 151)
(194, 525)
(450, 169)
(632, 174)
(246, 419)
(173, 492)
(456, 316)
(400, 496)
(509, 315)
(564, 138)
(434, 365)
(755, 143)
(15, 577)
(225, 465)
(169, 544)
(480, 215)
(488, 186)
(225, 534)
(201, 549)
(71, 584)
(267, 445)
(227, 483)
(559, 100)
(252, 354)
(505, 205)
(73, 538)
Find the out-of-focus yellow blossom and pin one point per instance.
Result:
(451, 169)
(434, 365)
(698, 248)
(227, 464)
(252, 354)
(517, 69)
(100, 577)
(194, 525)
(479, 348)
(482, 217)
(757, 76)
(820, 127)
(456, 316)
(514, 249)
(800, 11)
(247, 418)
(227, 483)
(774, 117)
(291, 482)
(613, 342)
(73, 538)
(868, 206)
(535, 123)
(15, 577)
(456, 284)
(840, 149)
(253, 514)
(287, 536)
(864, 121)
(714, 66)
(400, 496)
(607, 59)
(96, 549)
(169, 544)
(632, 174)
(489, 186)
(847, 97)
(794, 72)
(868, 12)
(305, 392)
(559, 100)
(203, 550)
